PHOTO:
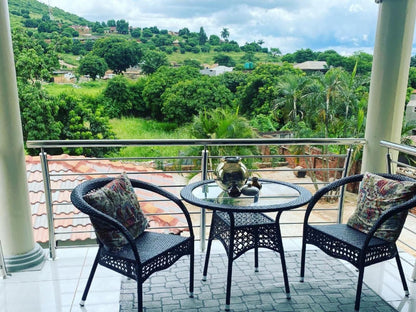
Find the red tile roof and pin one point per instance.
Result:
(68, 171)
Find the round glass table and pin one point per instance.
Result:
(273, 196)
(240, 223)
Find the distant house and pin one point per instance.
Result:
(216, 71)
(310, 66)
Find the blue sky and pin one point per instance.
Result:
(346, 26)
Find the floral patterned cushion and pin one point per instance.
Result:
(118, 200)
(376, 195)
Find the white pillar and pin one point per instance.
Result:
(16, 232)
(391, 61)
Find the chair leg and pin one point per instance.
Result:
(400, 267)
(90, 278)
(302, 261)
(256, 259)
(191, 272)
(359, 288)
(139, 296)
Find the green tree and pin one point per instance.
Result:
(186, 98)
(232, 80)
(136, 95)
(122, 27)
(159, 82)
(38, 114)
(413, 61)
(92, 65)
(412, 77)
(118, 96)
(184, 32)
(225, 34)
(202, 36)
(275, 52)
(214, 40)
(34, 59)
(223, 123)
(82, 122)
(136, 32)
(259, 93)
(223, 59)
(152, 60)
(292, 89)
(111, 23)
(326, 91)
(304, 55)
(192, 63)
(118, 53)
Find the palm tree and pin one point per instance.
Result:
(224, 123)
(292, 89)
(325, 93)
(225, 34)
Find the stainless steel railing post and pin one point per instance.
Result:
(204, 175)
(342, 191)
(48, 202)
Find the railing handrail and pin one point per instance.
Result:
(399, 147)
(199, 142)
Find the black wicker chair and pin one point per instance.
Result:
(344, 242)
(143, 256)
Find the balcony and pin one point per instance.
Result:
(69, 239)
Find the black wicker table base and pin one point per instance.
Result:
(166, 291)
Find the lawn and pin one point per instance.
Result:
(85, 88)
(138, 128)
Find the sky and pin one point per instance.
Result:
(346, 26)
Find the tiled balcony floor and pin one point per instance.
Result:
(58, 286)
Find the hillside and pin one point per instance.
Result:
(37, 10)
(71, 37)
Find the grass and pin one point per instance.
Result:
(69, 59)
(138, 128)
(91, 88)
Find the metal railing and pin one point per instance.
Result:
(316, 156)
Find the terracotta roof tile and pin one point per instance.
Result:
(70, 224)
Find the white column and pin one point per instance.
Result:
(16, 232)
(391, 61)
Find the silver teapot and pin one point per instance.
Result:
(231, 175)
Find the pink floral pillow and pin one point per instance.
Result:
(376, 195)
(118, 200)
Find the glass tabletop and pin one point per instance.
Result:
(273, 196)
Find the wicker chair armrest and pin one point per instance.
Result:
(326, 189)
(156, 189)
(79, 202)
(411, 203)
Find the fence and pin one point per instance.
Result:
(321, 159)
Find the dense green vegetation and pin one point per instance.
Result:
(264, 92)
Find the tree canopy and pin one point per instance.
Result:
(119, 53)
